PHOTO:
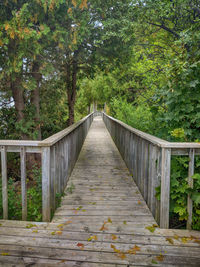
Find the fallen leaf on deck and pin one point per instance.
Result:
(35, 231)
(109, 220)
(80, 245)
(154, 262)
(4, 254)
(133, 250)
(139, 202)
(121, 255)
(151, 228)
(58, 232)
(52, 233)
(160, 257)
(170, 240)
(114, 248)
(93, 237)
(185, 239)
(114, 237)
(103, 227)
(30, 225)
(124, 222)
(60, 225)
(176, 237)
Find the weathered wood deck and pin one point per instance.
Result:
(103, 222)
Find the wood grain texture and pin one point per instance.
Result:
(23, 183)
(4, 181)
(190, 183)
(103, 222)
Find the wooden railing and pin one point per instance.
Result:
(59, 154)
(149, 158)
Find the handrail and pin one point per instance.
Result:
(59, 154)
(148, 159)
(46, 142)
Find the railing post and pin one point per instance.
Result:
(53, 177)
(23, 183)
(46, 203)
(190, 183)
(165, 188)
(4, 182)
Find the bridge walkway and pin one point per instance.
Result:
(103, 221)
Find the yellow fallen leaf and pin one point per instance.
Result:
(114, 237)
(124, 222)
(133, 250)
(109, 220)
(60, 225)
(103, 227)
(176, 237)
(4, 254)
(35, 231)
(114, 248)
(59, 232)
(121, 255)
(139, 202)
(150, 228)
(185, 239)
(160, 257)
(30, 225)
(53, 233)
(170, 240)
(93, 237)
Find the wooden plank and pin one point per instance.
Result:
(165, 188)
(4, 181)
(190, 183)
(23, 183)
(46, 194)
(142, 257)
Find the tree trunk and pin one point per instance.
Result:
(71, 89)
(35, 97)
(18, 96)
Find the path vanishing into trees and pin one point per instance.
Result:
(104, 221)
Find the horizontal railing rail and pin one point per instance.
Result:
(59, 154)
(148, 158)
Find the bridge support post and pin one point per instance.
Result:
(46, 205)
(165, 188)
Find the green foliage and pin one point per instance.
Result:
(139, 117)
(34, 198)
(70, 188)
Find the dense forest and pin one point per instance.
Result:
(138, 60)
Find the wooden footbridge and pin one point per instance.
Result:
(105, 219)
